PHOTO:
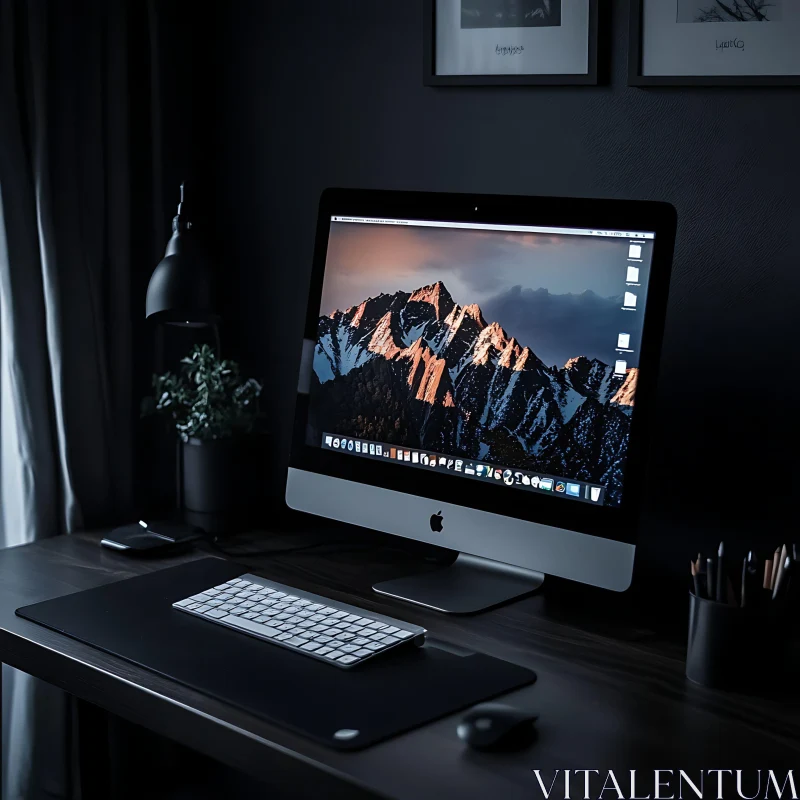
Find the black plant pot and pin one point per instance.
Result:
(220, 478)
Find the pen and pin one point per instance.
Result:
(777, 566)
(750, 580)
(711, 583)
(782, 583)
(768, 574)
(720, 594)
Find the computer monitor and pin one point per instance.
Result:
(479, 374)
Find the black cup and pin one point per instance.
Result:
(725, 649)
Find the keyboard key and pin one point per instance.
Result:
(323, 651)
(280, 606)
(223, 596)
(326, 611)
(315, 606)
(317, 618)
(391, 629)
(389, 640)
(250, 604)
(283, 637)
(296, 640)
(374, 646)
(334, 654)
(212, 592)
(359, 640)
(306, 623)
(203, 598)
(202, 609)
(346, 637)
(377, 625)
(290, 598)
(187, 602)
(250, 615)
(340, 615)
(363, 653)
(226, 606)
(305, 614)
(403, 634)
(350, 617)
(348, 648)
(216, 613)
(310, 646)
(276, 595)
(348, 659)
(285, 627)
(302, 602)
(324, 639)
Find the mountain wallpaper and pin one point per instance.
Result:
(417, 369)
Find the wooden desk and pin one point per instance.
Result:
(612, 695)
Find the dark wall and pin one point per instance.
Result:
(330, 94)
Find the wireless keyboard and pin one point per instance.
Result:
(336, 633)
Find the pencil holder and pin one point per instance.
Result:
(723, 650)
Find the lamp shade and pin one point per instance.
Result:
(180, 291)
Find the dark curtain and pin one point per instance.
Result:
(82, 223)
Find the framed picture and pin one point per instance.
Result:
(510, 42)
(714, 43)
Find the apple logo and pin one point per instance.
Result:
(436, 522)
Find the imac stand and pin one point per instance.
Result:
(470, 584)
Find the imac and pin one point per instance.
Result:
(478, 373)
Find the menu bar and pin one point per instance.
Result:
(468, 468)
(479, 226)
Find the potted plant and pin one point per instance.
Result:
(212, 408)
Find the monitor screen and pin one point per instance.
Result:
(504, 354)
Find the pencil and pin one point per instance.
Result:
(695, 579)
(768, 574)
(777, 568)
(776, 562)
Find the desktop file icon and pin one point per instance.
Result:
(620, 367)
(633, 275)
(624, 341)
(630, 300)
(635, 251)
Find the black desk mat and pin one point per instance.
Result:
(133, 619)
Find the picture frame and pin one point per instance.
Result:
(511, 46)
(718, 35)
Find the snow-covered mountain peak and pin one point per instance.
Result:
(437, 295)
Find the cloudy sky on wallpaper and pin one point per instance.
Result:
(553, 293)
